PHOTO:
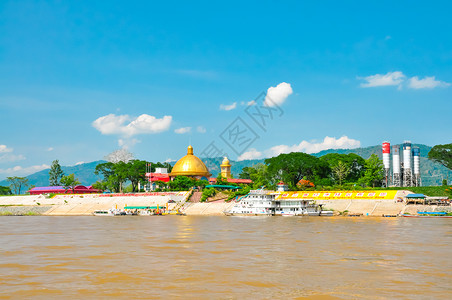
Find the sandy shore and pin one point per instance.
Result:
(66, 205)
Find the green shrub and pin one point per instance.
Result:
(30, 213)
(206, 193)
(241, 192)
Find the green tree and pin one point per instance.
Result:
(116, 174)
(161, 185)
(442, 154)
(182, 183)
(120, 174)
(201, 183)
(374, 174)
(245, 174)
(340, 171)
(135, 171)
(17, 183)
(161, 165)
(293, 167)
(221, 180)
(110, 177)
(100, 185)
(354, 162)
(258, 174)
(70, 182)
(5, 190)
(55, 173)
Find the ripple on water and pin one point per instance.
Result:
(305, 258)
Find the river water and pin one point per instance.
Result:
(225, 257)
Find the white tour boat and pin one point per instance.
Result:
(109, 212)
(269, 203)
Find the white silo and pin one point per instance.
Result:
(407, 172)
(417, 166)
(396, 165)
(386, 148)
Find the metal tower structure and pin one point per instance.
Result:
(407, 171)
(396, 175)
(386, 148)
(417, 166)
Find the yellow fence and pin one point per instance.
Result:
(331, 195)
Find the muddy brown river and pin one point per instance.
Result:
(213, 257)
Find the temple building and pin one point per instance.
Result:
(191, 166)
(226, 168)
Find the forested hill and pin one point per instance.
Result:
(84, 173)
(432, 173)
(368, 151)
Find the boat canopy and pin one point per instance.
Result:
(231, 187)
(143, 207)
(416, 196)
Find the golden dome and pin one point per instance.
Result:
(190, 165)
(225, 162)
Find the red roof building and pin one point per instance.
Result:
(79, 189)
(158, 177)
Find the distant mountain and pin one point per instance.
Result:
(432, 173)
(84, 173)
(368, 151)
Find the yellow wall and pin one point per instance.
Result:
(331, 195)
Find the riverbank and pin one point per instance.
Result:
(84, 205)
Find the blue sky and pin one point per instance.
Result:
(79, 80)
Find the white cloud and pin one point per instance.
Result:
(5, 149)
(23, 171)
(228, 107)
(79, 163)
(169, 160)
(312, 147)
(277, 95)
(249, 103)
(11, 157)
(426, 83)
(6, 155)
(128, 126)
(388, 79)
(50, 149)
(182, 130)
(343, 142)
(201, 129)
(251, 154)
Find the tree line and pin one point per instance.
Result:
(301, 171)
(117, 174)
(298, 170)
